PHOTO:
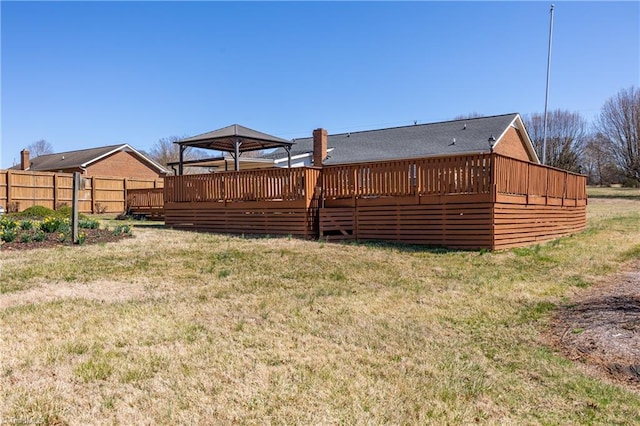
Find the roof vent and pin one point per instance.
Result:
(453, 142)
(464, 127)
(349, 134)
(415, 122)
(63, 157)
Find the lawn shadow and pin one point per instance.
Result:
(616, 196)
(409, 248)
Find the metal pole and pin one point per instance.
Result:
(546, 97)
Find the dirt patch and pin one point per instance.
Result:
(601, 328)
(93, 236)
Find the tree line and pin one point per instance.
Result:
(607, 151)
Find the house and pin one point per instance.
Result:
(470, 183)
(113, 160)
(503, 134)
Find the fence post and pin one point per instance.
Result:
(55, 191)
(125, 195)
(93, 195)
(9, 199)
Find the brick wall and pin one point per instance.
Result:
(121, 164)
(512, 145)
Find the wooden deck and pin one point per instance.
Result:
(266, 202)
(474, 202)
(146, 202)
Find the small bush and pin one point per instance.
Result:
(13, 207)
(88, 223)
(7, 235)
(101, 208)
(122, 230)
(7, 223)
(36, 211)
(39, 236)
(64, 211)
(26, 225)
(53, 224)
(26, 238)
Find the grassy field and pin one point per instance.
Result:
(176, 327)
(606, 192)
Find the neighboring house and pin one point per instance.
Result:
(503, 134)
(114, 160)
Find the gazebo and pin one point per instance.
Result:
(234, 139)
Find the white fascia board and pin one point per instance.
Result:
(293, 157)
(299, 156)
(519, 124)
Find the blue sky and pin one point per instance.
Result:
(86, 74)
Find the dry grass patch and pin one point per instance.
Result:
(178, 327)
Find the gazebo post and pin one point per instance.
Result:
(237, 153)
(288, 149)
(180, 168)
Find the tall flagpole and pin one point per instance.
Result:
(546, 96)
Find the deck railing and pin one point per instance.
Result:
(464, 174)
(515, 177)
(424, 176)
(145, 198)
(250, 185)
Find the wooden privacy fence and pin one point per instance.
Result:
(465, 201)
(20, 189)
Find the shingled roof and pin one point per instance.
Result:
(469, 135)
(83, 158)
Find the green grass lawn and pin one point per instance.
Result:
(606, 192)
(175, 327)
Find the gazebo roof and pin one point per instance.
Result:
(225, 140)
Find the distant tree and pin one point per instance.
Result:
(566, 138)
(38, 148)
(599, 165)
(166, 151)
(470, 115)
(619, 124)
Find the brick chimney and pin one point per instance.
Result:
(319, 146)
(25, 162)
